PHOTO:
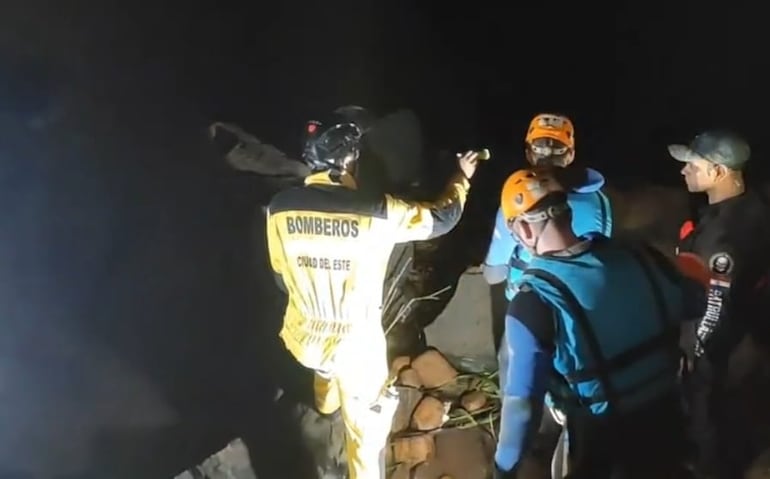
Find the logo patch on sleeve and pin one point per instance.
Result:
(721, 263)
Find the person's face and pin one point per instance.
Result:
(549, 152)
(700, 175)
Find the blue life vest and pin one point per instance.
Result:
(618, 310)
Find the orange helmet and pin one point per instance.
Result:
(550, 125)
(524, 189)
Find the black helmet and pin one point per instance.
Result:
(329, 144)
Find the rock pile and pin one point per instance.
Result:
(444, 426)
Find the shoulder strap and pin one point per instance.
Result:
(602, 367)
(669, 330)
(515, 261)
(661, 305)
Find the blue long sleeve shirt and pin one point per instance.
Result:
(526, 357)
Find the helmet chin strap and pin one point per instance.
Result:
(551, 160)
(546, 213)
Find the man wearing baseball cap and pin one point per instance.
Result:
(729, 239)
(714, 164)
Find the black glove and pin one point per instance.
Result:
(224, 138)
(498, 473)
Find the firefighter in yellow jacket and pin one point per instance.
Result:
(329, 245)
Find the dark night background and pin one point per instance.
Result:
(125, 250)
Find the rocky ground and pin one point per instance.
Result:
(444, 427)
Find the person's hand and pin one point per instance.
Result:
(686, 364)
(468, 162)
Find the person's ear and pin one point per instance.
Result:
(525, 231)
(714, 172)
(721, 172)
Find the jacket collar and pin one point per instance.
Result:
(326, 178)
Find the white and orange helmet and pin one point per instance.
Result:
(551, 136)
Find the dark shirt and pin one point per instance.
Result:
(732, 239)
